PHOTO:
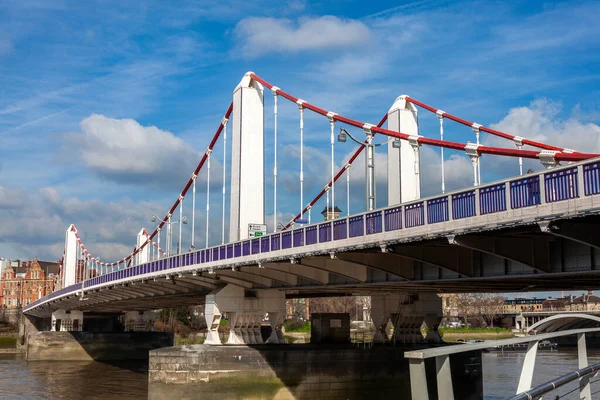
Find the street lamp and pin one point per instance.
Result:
(369, 161)
(168, 222)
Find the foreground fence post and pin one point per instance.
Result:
(585, 391)
(418, 379)
(444, 378)
(528, 366)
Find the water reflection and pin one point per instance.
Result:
(68, 380)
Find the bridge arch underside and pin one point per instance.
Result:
(560, 255)
(563, 322)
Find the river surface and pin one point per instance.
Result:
(71, 380)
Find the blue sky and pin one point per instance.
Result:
(106, 107)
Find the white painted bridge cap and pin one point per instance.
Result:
(518, 140)
(401, 104)
(248, 82)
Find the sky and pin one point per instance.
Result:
(107, 106)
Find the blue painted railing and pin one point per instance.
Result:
(339, 229)
(463, 205)
(525, 192)
(591, 178)
(413, 215)
(492, 199)
(437, 210)
(559, 184)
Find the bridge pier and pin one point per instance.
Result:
(407, 313)
(245, 311)
(67, 321)
(139, 321)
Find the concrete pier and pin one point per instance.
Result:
(292, 372)
(82, 346)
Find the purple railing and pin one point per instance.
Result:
(324, 232)
(413, 215)
(492, 199)
(255, 243)
(373, 223)
(264, 244)
(437, 210)
(356, 227)
(311, 235)
(339, 229)
(276, 241)
(286, 240)
(393, 219)
(591, 178)
(463, 205)
(525, 192)
(299, 237)
(561, 185)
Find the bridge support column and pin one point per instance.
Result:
(67, 321)
(245, 315)
(70, 259)
(407, 312)
(139, 321)
(382, 307)
(143, 256)
(403, 169)
(247, 158)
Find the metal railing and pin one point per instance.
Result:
(544, 187)
(418, 377)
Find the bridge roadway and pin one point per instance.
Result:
(532, 232)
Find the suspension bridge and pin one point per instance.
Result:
(534, 231)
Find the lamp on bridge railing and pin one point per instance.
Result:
(168, 222)
(369, 161)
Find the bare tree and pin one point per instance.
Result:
(479, 308)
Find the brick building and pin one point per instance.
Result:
(23, 284)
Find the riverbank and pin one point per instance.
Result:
(12, 351)
(466, 334)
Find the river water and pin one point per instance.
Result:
(68, 380)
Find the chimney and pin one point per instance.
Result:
(331, 212)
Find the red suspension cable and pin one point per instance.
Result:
(500, 151)
(329, 184)
(516, 139)
(175, 205)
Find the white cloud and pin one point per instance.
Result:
(541, 122)
(124, 151)
(11, 198)
(261, 35)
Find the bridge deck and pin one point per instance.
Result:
(533, 232)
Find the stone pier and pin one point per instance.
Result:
(294, 372)
(83, 346)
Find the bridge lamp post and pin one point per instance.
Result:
(369, 162)
(168, 222)
(184, 221)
